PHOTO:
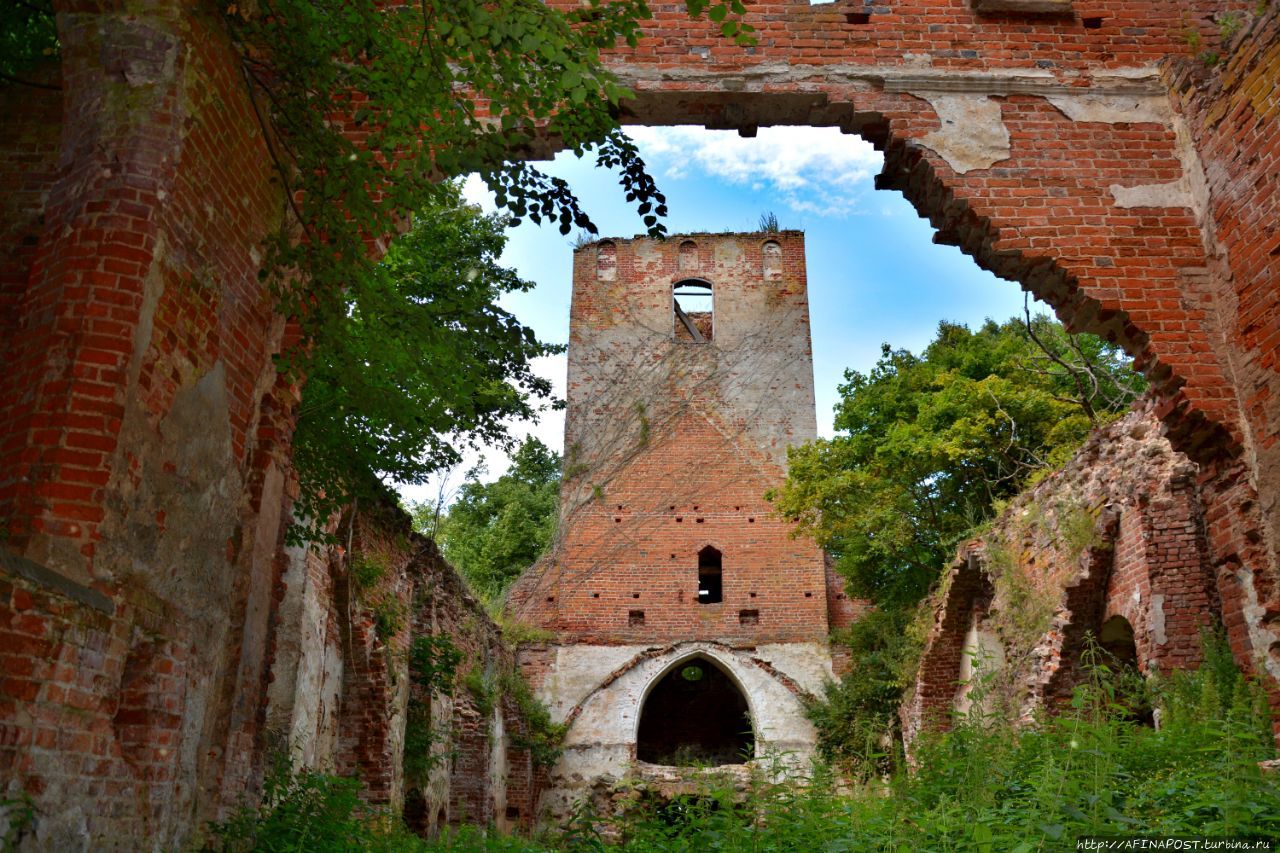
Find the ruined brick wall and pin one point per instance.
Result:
(671, 446)
(144, 433)
(1232, 112)
(137, 357)
(339, 699)
(1050, 149)
(1117, 531)
(484, 775)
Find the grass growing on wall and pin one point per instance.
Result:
(984, 786)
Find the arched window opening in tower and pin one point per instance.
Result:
(606, 261)
(695, 715)
(771, 254)
(693, 303)
(710, 578)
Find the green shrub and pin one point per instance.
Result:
(987, 786)
(303, 810)
(541, 736)
(857, 716)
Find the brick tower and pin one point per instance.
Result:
(688, 621)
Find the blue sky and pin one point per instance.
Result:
(874, 274)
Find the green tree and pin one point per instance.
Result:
(420, 363)
(366, 106)
(929, 445)
(493, 531)
(28, 38)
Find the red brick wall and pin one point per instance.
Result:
(672, 446)
(1118, 530)
(1232, 112)
(144, 440)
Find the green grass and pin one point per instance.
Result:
(985, 786)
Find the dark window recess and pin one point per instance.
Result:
(695, 715)
(710, 580)
(1092, 23)
(748, 617)
(858, 19)
(513, 812)
(635, 617)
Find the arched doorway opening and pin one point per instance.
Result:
(695, 715)
(1116, 639)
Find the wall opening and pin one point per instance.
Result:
(693, 304)
(1116, 639)
(606, 261)
(695, 715)
(710, 576)
(688, 257)
(771, 253)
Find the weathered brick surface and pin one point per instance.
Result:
(677, 425)
(1117, 531)
(672, 444)
(144, 436)
(1232, 114)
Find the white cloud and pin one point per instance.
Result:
(816, 170)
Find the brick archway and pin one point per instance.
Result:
(1124, 252)
(1078, 154)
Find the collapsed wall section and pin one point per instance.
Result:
(1114, 540)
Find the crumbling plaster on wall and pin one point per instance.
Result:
(972, 135)
(601, 739)
(306, 676)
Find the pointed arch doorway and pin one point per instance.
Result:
(695, 715)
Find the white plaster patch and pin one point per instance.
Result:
(973, 134)
(1156, 620)
(1173, 194)
(982, 656)
(1113, 109)
(1260, 637)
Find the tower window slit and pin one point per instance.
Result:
(710, 577)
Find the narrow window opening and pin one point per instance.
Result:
(693, 305)
(748, 617)
(606, 261)
(635, 618)
(772, 253)
(710, 586)
(1092, 23)
(858, 19)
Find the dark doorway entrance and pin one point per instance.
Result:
(695, 715)
(1116, 639)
